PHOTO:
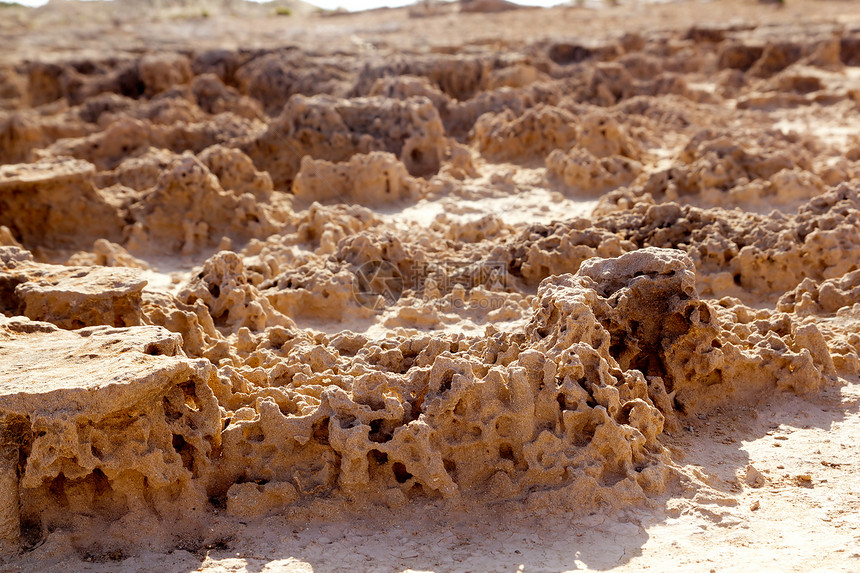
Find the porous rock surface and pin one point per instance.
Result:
(69, 297)
(373, 180)
(54, 203)
(103, 428)
(244, 283)
(335, 129)
(570, 408)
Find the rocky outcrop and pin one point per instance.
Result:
(188, 210)
(375, 179)
(333, 129)
(53, 203)
(69, 297)
(134, 449)
(734, 252)
(375, 278)
(232, 302)
(581, 171)
(703, 354)
(535, 133)
(236, 172)
(811, 297)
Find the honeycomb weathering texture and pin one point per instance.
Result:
(245, 283)
(69, 297)
(567, 410)
(103, 425)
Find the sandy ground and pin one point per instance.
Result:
(771, 483)
(101, 28)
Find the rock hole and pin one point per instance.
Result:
(400, 473)
(57, 488)
(648, 363)
(450, 466)
(506, 452)
(185, 451)
(214, 290)
(100, 482)
(417, 156)
(715, 377)
(170, 411)
(31, 533)
(9, 301)
(624, 413)
(152, 349)
(418, 404)
(676, 325)
(190, 393)
(377, 457)
(446, 382)
(218, 501)
(321, 431)
(223, 544)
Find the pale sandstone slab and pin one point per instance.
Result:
(100, 424)
(54, 203)
(69, 297)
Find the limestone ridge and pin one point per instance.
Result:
(107, 425)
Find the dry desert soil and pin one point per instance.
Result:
(453, 287)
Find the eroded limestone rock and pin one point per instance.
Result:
(188, 210)
(109, 427)
(535, 133)
(585, 173)
(232, 302)
(333, 129)
(811, 297)
(528, 357)
(702, 353)
(374, 179)
(235, 171)
(53, 203)
(69, 297)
